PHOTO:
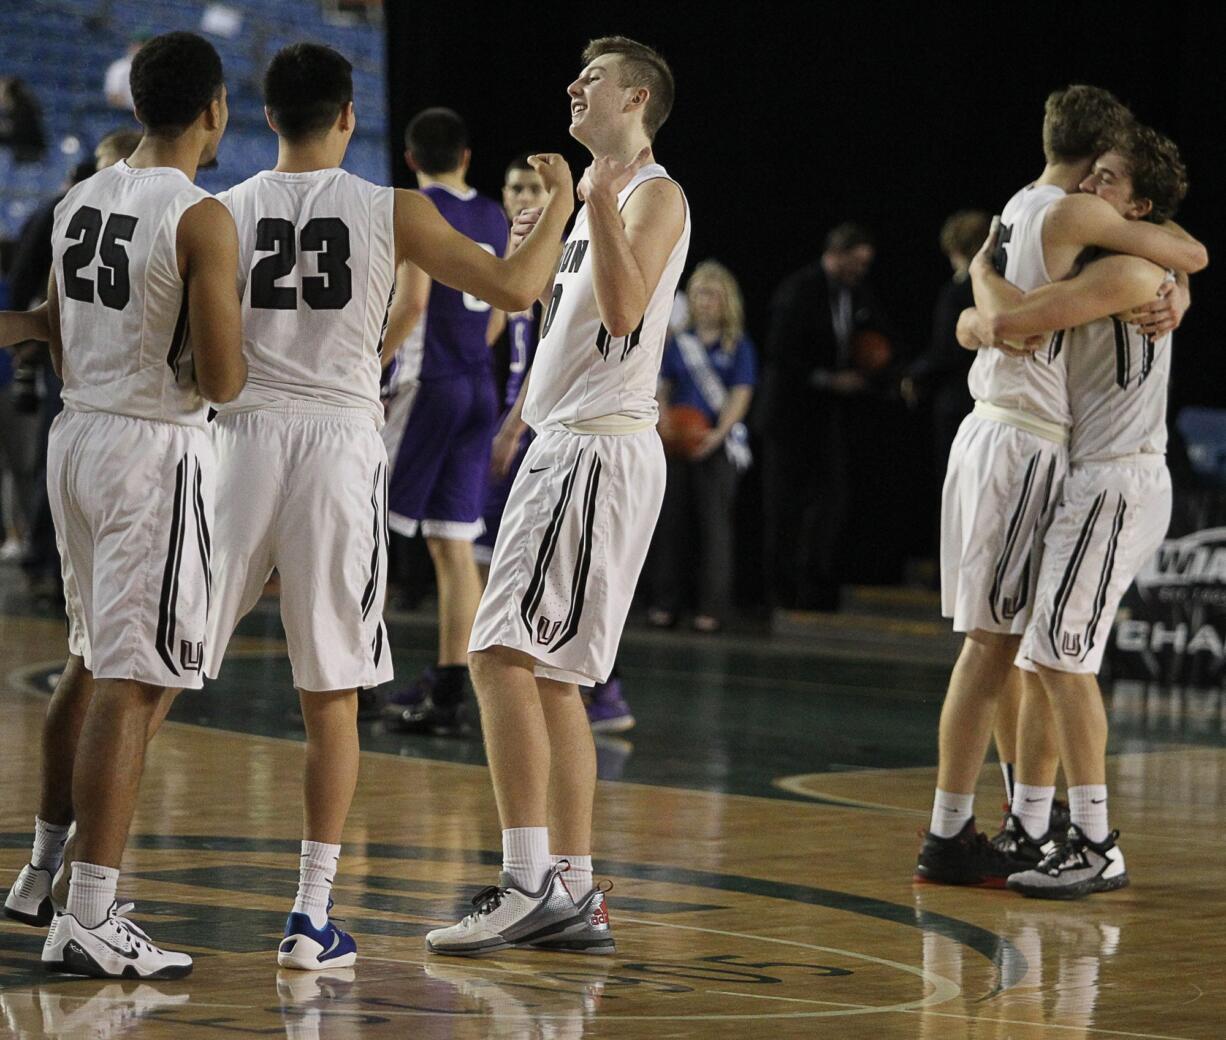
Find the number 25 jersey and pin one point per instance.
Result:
(316, 266)
(123, 306)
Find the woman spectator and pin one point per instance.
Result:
(706, 384)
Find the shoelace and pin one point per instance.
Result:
(486, 901)
(139, 936)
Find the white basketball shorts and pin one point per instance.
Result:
(303, 489)
(574, 535)
(1111, 519)
(132, 501)
(1000, 488)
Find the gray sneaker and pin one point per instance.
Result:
(591, 934)
(1074, 869)
(29, 900)
(505, 915)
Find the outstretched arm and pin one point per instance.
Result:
(1082, 220)
(19, 326)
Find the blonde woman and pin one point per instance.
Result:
(706, 385)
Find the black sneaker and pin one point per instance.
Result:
(968, 858)
(1061, 818)
(1015, 842)
(1075, 868)
(432, 719)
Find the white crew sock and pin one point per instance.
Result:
(1006, 770)
(316, 872)
(950, 813)
(1032, 805)
(1088, 809)
(49, 839)
(578, 879)
(525, 856)
(91, 891)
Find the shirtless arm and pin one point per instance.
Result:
(55, 341)
(19, 326)
(207, 244)
(424, 238)
(630, 248)
(1105, 287)
(1081, 220)
(408, 307)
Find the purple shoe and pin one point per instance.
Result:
(607, 709)
(412, 697)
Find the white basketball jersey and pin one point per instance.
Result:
(123, 306)
(1117, 385)
(1035, 384)
(316, 265)
(581, 373)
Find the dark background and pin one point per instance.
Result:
(791, 118)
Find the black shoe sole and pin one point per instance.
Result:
(589, 946)
(40, 920)
(77, 962)
(1080, 891)
(961, 880)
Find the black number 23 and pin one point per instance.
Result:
(330, 290)
(86, 227)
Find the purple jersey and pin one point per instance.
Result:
(521, 333)
(456, 323)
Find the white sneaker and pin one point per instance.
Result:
(115, 949)
(29, 900)
(508, 916)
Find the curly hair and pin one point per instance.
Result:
(174, 78)
(305, 88)
(1081, 122)
(1157, 171)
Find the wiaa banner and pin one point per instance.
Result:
(1171, 627)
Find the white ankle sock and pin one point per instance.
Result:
(1006, 770)
(1088, 809)
(1032, 805)
(950, 813)
(49, 839)
(525, 856)
(91, 891)
(316, 872)
(578, 879)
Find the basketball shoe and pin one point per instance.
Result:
(1075, 868)
(968, 858)
(1015, 842)
(607, 710)
(506, 915)
(421, 708)
(308, 948)
(591, 934)
(115, 949)
(29, 900)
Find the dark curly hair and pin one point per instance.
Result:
(174, 78)
(1157, 171)
(1080, 122)
(436, 139)
(305, 88)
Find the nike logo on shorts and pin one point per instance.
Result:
(538, 469)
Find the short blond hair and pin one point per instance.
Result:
(732, 320)
(964, 232)
(641, 66)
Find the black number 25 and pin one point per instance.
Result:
(330, 290)
(114, 286)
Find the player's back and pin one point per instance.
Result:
(452, 339)
(581, 373)
(123, 303)
(316, 266)
(1034, 384)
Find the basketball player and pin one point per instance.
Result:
(438, 436)
(580, 514)
(1006, 468)
(302, 469)
(1113, 512)
(139, 254)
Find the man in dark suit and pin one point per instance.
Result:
(812, 377)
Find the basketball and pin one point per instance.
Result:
(870, 351)
(684, 431)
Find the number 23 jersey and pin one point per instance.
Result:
(316, 266)
(123, 306)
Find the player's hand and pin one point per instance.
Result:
(711, 441)
(522, 225)
(1163, 315)
(1022, 348)
(556, 175)
(983, 259)
(504, 450)
(607, 176)
(847, 381)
